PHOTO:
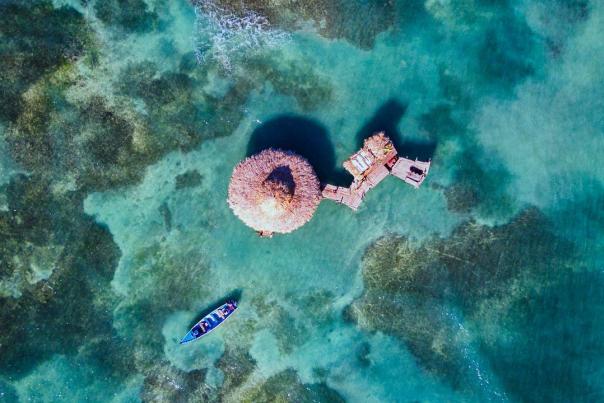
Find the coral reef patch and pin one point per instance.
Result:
(490, 275)
(286, 386)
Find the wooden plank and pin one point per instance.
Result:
(377, 175)
(382, 159)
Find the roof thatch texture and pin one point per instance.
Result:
(274, 191)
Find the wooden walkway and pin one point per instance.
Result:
(372, 164)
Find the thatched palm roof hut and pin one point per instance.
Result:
(274, 191)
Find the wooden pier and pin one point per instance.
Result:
(372, 164)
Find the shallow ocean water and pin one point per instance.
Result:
(122, 122)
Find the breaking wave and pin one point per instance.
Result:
(224, 36)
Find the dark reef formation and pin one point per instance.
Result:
(45, 235)
(237, 365)
(493, 276)
(100, 143)
(287, 324)
(289, 77)
(129, 15)
(188, 179)
(36, 39)
(286, 386)
(164, 383)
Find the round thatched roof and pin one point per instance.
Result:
(274, 191)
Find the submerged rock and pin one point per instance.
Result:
(130, 15)
(188, 179)
(34, 229)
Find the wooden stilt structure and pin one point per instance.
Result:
(370, 165)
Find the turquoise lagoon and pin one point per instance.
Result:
(120, 126)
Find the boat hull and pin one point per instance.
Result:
(210, 322)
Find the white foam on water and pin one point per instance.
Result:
(489, 386)
(224, 36)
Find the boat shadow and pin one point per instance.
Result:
(233, 295)
(386, 119)
(305, 137)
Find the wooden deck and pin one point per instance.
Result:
(342, 195)
(412, 172)
(372, 164)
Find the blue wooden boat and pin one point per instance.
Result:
(210, 322)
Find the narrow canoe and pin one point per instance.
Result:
(210, 322)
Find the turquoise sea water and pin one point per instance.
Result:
(121, 122)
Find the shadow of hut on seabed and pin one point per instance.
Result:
(386, 119)
(305, 137)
